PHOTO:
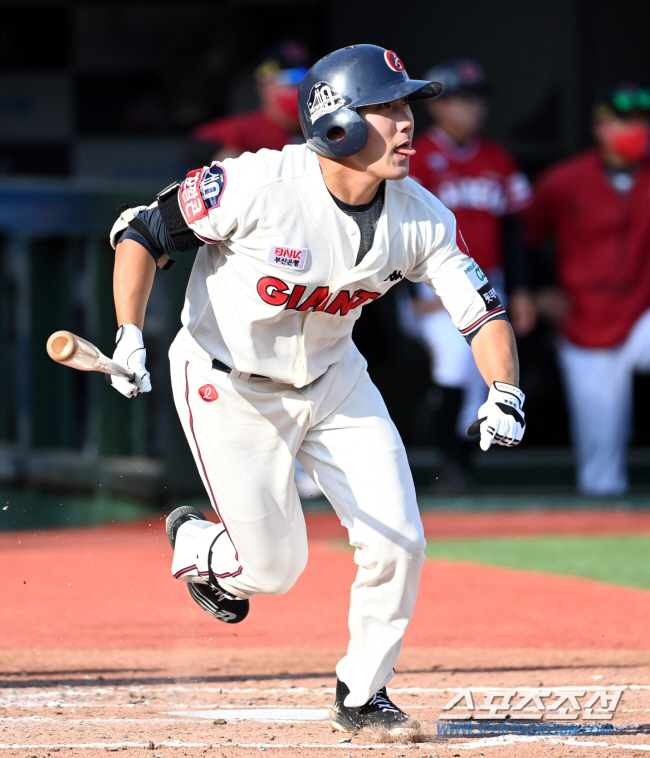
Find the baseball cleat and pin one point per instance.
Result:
(213, 599)
(378, 715)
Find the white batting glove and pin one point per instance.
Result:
(131, 354)
(501, 419)
(122, 223)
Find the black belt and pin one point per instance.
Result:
(219, 366)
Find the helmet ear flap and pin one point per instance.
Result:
(339, 134)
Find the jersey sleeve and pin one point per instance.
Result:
(152, 219)
(210, 199)
(457, 279)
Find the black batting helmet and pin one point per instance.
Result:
(343, 81)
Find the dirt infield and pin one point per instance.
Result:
(100, 650)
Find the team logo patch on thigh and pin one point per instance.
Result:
(208, 393)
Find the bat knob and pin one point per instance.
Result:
(475, 427)
(61, 346)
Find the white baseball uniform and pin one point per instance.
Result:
(273, 295)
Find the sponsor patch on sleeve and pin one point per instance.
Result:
(475, 275)
(288, 257)
(490, 297)
(213, 184)
(482, 286)
(190, 199)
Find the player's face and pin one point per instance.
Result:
(623, 140)
(390, 132)
(460, 117)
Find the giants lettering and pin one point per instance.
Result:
(344, 303)
(272, 290)
(276, 292)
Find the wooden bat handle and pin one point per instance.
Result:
(76, 352)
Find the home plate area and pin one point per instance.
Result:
(170, 703)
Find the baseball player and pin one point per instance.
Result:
(595, 208)
(479, 181)
(264, 370)
(275, 123)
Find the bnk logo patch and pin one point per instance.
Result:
(288, 257)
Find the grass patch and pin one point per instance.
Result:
(619, 560)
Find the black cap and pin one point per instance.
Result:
(460, 77)
(285, 55)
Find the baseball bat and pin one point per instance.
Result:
(70, 350)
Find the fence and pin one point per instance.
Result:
(65, 428)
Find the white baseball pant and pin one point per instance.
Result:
(599, 389)
(245, 444)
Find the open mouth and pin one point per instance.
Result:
(405, 149)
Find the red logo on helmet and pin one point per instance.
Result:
(392, 61)
(208, 393)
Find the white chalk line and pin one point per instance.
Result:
(83, 692)
(494, 742)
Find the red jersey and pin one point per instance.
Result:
(248, 132)
(479, 182)
(602, 246)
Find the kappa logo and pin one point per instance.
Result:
(395, 276)
(393, 61)
(208, 393)
(323, 99)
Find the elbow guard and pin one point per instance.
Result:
(129, 218)
(182, 237)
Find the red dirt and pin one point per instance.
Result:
(110, 587)
(505, 523)
(101, 650)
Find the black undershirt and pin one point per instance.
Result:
(366, 217)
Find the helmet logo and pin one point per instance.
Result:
(392, 61)
(323, 99)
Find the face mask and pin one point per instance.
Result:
(628, 141)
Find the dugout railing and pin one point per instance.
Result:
(61, 428)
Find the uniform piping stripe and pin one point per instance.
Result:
(205, 473)
(184, 571)
(487, 316)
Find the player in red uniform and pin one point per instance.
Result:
(596, 206)
(480, 182)
(275, 123)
